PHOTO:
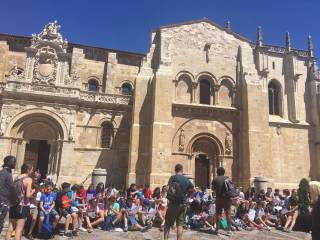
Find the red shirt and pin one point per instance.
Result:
(147, 193)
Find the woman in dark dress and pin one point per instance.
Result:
(315, 200)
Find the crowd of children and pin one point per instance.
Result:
(139, 208)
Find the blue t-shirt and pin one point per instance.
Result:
(48, 199)
(91, 194)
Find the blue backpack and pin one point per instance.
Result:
(46, 228)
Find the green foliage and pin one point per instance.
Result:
(303, 196)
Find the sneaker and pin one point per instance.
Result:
(268, 228)
(75, 233)
(125, 229)
(146, 228)
(216, 232)
(82, 229)
(212, 230)
(67, 235)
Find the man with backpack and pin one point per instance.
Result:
(225, 191)
(178, 188)
(6, 184)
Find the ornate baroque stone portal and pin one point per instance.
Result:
(47, 59)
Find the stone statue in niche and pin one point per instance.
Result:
(228, 143)
(207, 50)
(70, 137)
(182, 140)
(2, 123)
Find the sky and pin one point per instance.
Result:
(126, 24)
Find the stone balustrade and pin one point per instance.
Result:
(65, 92)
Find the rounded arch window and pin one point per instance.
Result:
(93, 85)
(205, 91)
(274, 95)
(126, 89)
(106, 135)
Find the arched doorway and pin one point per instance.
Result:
(202, 171)
(40, 139)
(206, 152)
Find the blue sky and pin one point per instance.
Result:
(126, 24)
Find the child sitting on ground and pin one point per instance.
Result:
(93, 215)
(66, 210)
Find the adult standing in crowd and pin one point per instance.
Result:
(20, 212)
(178, 188)
(6, 183)
(222, 201)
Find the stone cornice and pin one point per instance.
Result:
(201, 109)
(69, 95)
(287, 124)
(282, 50)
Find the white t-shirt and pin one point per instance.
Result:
(252, 214)
(212, 209)
(260, 213)
(38, 196)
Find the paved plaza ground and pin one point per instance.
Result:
(155, 234)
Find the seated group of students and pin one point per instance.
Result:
(138, 208)
(261, 210)
(107, 208)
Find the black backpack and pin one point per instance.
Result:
(16, 192)
(228, 189)
(174, 193)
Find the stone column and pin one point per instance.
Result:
(216, 95)
(161, 140)
(194, 89)
(20, 150)
(139, 152)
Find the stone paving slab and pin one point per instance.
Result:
(155, 234)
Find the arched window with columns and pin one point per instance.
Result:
(205, 91)
(93, 85)
(126, 89)
(106, 135)
(275, 98)
(225, 93)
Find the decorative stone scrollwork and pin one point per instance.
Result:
(47, 58)
(228, 143)
(45, 67)
(15, 74)
(51, 34)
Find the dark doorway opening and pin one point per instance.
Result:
(202, 171)
(37, 154)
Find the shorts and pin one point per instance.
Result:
(74, 209)
(65, 212)
(132, 220)
(222, 203)
(53, 213)
(19, 212)
(176, 214)
(34, 213)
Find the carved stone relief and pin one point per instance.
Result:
(228, 143)
(182, 140)
(47, 59)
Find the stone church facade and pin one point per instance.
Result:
(203, 96)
